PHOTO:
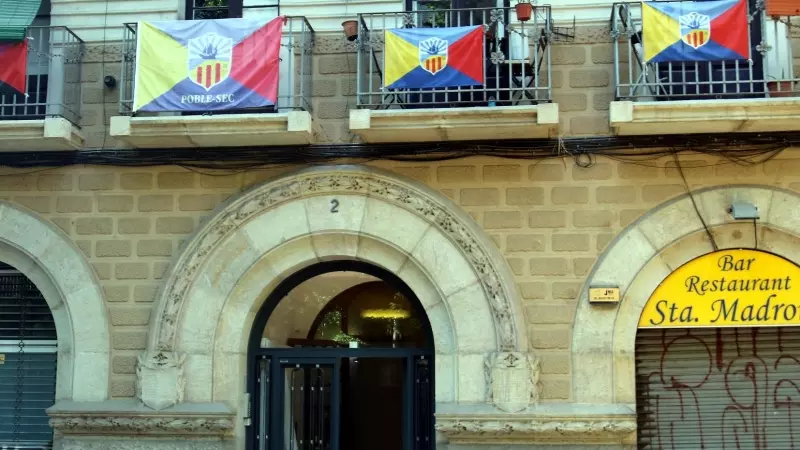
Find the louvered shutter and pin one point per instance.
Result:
(28, 370)
(718, 388)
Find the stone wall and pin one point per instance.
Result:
(550, 219)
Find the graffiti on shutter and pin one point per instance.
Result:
(725, 388)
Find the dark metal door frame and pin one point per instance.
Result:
(270, 416)
(418, 398)
(417, 401)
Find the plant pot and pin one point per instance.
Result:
(350, 29)
(780, 88)
(524, 11)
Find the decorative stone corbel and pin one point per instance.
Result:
(159, 379)
(512, 380)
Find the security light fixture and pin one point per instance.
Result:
(743, 211)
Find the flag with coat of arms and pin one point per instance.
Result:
(695, 31)
(433, 57)
(207, 65)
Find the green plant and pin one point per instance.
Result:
(438, 17)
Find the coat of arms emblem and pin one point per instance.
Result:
(695, 29)
(210, 58)
(433, 55)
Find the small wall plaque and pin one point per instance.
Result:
(604, 295)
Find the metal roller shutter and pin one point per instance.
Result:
(707, 388)
(27, 363)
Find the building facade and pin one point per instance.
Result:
(589, 251)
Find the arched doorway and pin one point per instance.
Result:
(341, 357)
(202, 328)
(607, 340)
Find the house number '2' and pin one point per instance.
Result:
(334, 206)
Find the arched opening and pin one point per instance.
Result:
(331, 340)
(28, 362)
(718, 354)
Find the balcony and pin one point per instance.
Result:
(513, 103)
(760, 95)
(46, 117)
(287, 123)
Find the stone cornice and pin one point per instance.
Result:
(128, 418)
(532, 426)
(760, 115)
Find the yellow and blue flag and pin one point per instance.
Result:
(433, 57)
(695, 31)
(207, 65)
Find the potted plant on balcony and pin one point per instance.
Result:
(524, 10)
(350, 29)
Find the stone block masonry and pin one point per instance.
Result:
(550, 220)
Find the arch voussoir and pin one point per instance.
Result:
(262, 236)
(42, 252)
(643, 255)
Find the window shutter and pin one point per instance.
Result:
(28, 345)
(15, 17)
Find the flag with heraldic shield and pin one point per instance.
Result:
(207, 65)
(434, 57)
(695, 31)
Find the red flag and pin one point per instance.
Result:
(256, 60)
(13, 64)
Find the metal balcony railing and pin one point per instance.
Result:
(53, 81)
(516, 59)
(294, 89)
(769, 72)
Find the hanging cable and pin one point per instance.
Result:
(751, 149)
(755, 234)
(743, 149)
(694, 203)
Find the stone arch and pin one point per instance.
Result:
(644, 254)
(62, 274)
(257, 239)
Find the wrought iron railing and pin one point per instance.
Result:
(516, 59)
(53, 78)
(768, 73)
(294, 90)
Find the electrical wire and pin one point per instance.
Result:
(694, 203)
(741, 149)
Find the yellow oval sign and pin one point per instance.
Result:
(727, 288)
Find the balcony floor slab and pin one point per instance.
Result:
(705, 116)
(224, 130)
(455, 124)
(50, 134)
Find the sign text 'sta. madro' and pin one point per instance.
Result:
(729, 309)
